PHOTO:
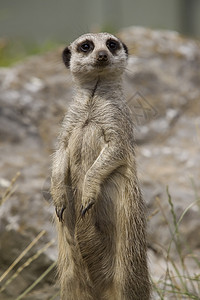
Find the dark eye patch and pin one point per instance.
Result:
(113, 45)
(85, 47)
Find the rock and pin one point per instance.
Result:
(162, 85)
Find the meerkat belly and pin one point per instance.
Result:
(95, 234)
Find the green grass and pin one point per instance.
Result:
(13, 51)
(176, 283)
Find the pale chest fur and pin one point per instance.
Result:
(85, 144)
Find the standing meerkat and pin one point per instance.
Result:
(101, 213)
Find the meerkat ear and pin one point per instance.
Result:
(125, 49)
(66, 56)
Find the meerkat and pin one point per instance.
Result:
(100, 211)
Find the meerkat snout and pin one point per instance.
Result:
(102, 55)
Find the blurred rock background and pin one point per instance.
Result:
(162, 83)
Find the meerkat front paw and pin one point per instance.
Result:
(86, 206)
(59, 212)
(89, 195)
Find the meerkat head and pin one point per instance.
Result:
(98, 54)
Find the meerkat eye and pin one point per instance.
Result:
(86, 46)
(112, 45)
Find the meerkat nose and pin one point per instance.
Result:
(102, 55)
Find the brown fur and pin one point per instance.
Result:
(102, 239)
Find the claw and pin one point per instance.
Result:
(84, 210)
(59, 213)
